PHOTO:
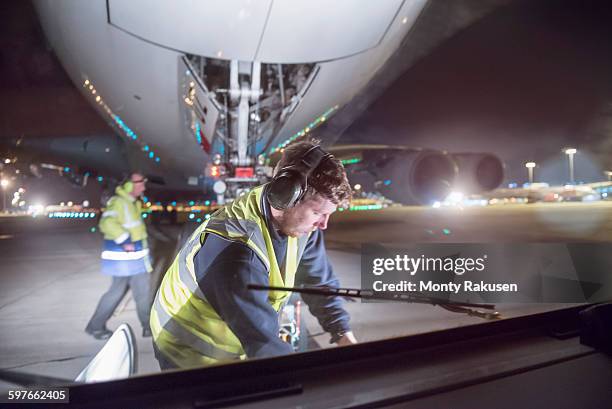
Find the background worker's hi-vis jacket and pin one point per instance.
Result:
(186, 328)
(122, 223)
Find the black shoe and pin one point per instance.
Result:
(146, 332)
(103, 333)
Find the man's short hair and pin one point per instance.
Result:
(328, 179)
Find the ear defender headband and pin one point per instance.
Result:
(290, 184)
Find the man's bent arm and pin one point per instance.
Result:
(223, 269)
(315, 270)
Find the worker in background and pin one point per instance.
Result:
(125, 256)
(203, 312)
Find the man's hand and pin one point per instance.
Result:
(128, 247)
(347, 339)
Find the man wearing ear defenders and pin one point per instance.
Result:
(125, 256)
(203, 312)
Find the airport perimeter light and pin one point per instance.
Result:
(570, 152)
(530, 166)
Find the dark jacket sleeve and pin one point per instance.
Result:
(223, 269)
(316, 270)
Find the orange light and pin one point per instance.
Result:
(215, 171)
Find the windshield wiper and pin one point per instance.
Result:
(472, 309)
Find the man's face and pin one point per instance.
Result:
(310, 214)
(139, 182)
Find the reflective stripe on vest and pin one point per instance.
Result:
(190, 339)
(124, 255)
(185, 273)
(236, 229)
(185, 326)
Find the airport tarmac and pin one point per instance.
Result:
(50, 280)
(535, 222)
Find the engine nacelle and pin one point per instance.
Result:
(407, 176)
(477, 172)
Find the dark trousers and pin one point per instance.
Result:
(139, 284)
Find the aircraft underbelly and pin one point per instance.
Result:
(267, 31)
(135, 79)
(126, 57)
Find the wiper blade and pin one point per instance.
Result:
(472, 309)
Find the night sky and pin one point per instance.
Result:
(37, 98)
(522, 83)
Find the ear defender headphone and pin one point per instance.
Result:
(126, 183)
(128, 186)
(290, 184)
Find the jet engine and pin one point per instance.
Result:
(415, 176)
(420, 177)
(477, 172)
(407, 176)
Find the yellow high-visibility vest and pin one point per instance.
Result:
(186, 328)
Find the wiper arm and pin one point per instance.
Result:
(472, 309)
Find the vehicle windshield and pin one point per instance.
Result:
(479, 165)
